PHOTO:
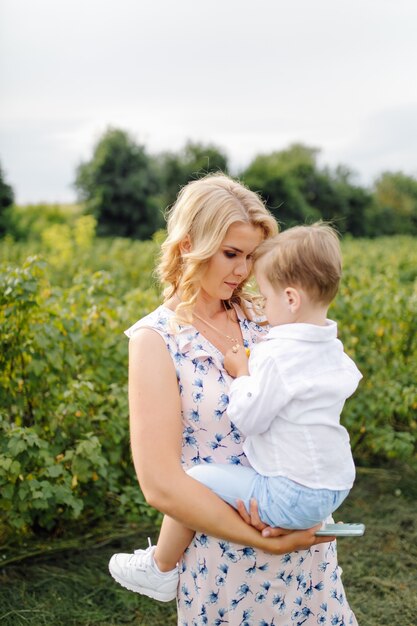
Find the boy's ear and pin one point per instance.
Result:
(293, 299)
(185, 245)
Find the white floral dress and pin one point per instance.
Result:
(222, 582)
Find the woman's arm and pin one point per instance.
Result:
(156, 436)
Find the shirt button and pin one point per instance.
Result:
(249, 394)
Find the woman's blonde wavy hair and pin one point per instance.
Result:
(204, 210)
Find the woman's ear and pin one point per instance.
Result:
(293, 297)
(185, 245)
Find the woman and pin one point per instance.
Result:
(178, 411)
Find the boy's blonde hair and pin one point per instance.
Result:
(308, 257)
(204, 210)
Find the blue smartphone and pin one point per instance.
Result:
(341, 530)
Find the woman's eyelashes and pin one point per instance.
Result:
(231, 255)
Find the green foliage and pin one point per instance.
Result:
(277, 177)
(28, 222)
(127, 191)
(394, 210)
(6, 200)
(377, 314)
(192, 162)
(64, 445)
(337, 199)
(64, 449)
(119, 187)
(297, 190)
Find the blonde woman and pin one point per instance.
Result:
(235, 570)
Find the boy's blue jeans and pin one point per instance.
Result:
(281, 501)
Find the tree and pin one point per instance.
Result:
(119, 186)
(6, 200)
(193, 161)
(339, 200)
(297, 190)
(395, 204)
(281, 178)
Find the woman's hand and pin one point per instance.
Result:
(252, 518)
(290, 540)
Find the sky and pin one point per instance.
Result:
(251, 77)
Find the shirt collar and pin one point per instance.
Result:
(304, 332)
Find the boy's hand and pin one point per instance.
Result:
(236, 361)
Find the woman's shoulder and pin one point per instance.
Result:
(161, 321)
(158, 320)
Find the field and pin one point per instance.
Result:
(68, 494)
(71, 586)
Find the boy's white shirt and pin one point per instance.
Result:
(289, 407)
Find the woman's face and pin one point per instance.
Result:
(232, 262)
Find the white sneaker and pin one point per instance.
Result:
(138, 572)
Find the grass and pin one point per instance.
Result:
(380, 568)
(71, 586)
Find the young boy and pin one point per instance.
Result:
(286, 400)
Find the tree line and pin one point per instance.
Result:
(127, 189)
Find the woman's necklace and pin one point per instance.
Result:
(233, 340)
(217, 330)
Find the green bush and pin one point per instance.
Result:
(28, 222)
(377, 314)
(64, 445)
(64, 449)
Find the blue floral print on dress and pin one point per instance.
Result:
(221, 582)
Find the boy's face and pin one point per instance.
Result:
(276, 304)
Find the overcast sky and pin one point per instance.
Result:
(250, 76)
